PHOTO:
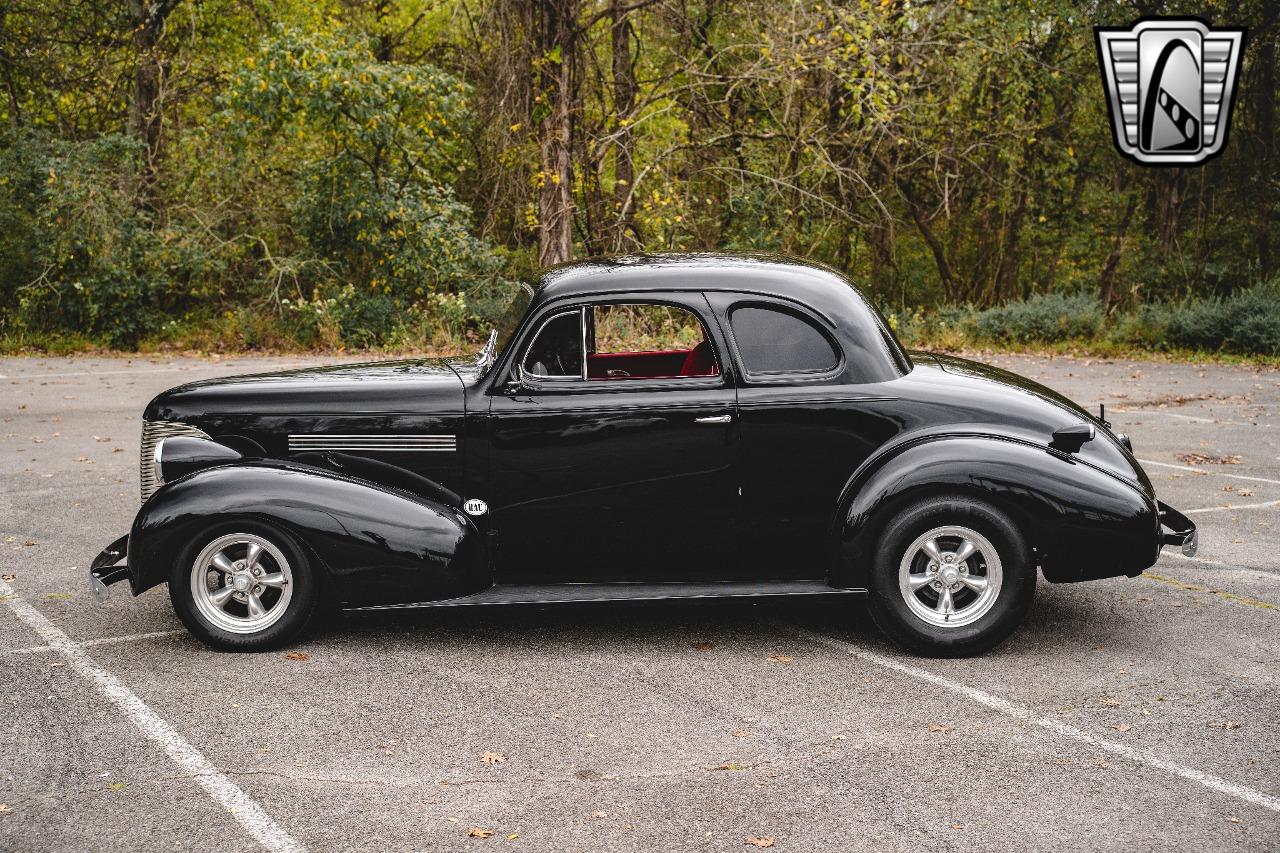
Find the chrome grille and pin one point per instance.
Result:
(152, 433)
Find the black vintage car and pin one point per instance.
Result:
(647, 428)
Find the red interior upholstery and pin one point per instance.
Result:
(700, 361)
(663, 364)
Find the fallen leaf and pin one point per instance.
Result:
(1226, 724)
(297, 656)
(116, 786)
(760, 840)
(703, 645)
(939, 728)
(513, 836)
(1204, 459)
(56, 664)
(781, 658)
(957, 826)
(599, 814)
(1234, 819)
(740, 733)
(58, 596)
(29, 543)
(1109, 702)
(1245, 493)
(1122, 727)
(729, 766)
(9, 577)
(4, 808)
(1101, 764)
(493, 758)
(478, 832)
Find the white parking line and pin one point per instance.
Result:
(226, 793)
(1232, 508)
(1027, 715)
(99, 641)
(1214, 473)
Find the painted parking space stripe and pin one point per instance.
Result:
(217, 785)
(1027, 715)
(100, 641)
(1213, 473)
(1232, 508)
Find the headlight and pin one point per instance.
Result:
(148, 462)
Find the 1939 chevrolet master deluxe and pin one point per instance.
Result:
(649, 428)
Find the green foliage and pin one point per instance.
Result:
(1248, 322)
(82, 253)
(1045, 318)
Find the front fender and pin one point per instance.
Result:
(1082, 522)
(375, 545)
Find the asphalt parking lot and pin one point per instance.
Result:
(1129, 714)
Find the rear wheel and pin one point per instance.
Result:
(952, 577)
(244, 587)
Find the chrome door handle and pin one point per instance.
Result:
(714, 419)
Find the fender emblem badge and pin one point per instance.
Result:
(475, 506)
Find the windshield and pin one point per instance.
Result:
(510, 318)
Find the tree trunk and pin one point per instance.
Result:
(1268, 208)
(555, 21)
(148, 19)
(1110, 269)
(624, 102)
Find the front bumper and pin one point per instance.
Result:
(1181, 530)
(111, 566)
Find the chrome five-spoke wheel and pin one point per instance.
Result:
(950, 576)
(241, 583)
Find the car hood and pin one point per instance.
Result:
(423, 385)
(973, 392)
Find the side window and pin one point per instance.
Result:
(774, 341)
(647, 341)
(557, 350)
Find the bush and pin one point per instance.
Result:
(1045, 318)
(1248, 322)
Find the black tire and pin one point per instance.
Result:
(888, 602)
(299, 610)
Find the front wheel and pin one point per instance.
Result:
(244, 587)
(952, 577)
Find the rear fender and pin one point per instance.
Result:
(1082, 523)
(376, 545)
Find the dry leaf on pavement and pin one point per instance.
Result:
(760, 840)
(1225, 724)
(740, 733)
(493, 758)
(297, 656)
(8, 577)
(939, 728)
(781, 658)
(1122, 727)
(479, 832)
(599, 814)
(703, 645)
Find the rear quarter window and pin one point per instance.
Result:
(774, 341)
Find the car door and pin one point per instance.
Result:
(613, 459)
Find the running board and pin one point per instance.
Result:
(566, 593)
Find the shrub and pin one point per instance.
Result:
(1248, 322)
(1045, 318)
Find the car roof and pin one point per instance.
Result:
(859, 326)
(768, 274)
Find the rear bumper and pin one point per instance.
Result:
(111, 566)
(1177, 529)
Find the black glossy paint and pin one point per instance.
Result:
(618, 481)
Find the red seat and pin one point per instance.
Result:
(700, 361)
